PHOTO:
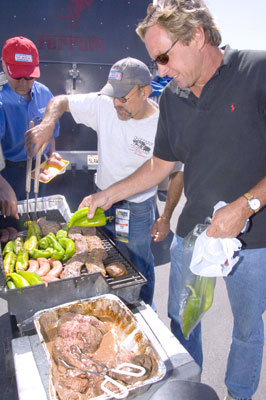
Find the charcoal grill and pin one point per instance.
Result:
(23, 304)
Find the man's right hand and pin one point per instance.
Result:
(37, 137)
(99, 199)
(8, 199)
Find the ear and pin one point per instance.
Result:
(199, 37)
(146, 91)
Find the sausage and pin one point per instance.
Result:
(33, 266)
(57, 268)
(49, 278)
(4, 235)
(12, 232)
(44, 267)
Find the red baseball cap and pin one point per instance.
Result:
(21, 57)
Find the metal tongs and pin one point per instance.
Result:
(120, 369)
(36, 177)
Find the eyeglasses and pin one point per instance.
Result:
(164, 58)
(23, 77)
(125, 99)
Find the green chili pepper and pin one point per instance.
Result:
(33, 229)
(31, 243)
(18, 244)
(18, 280)
(62, 233)
(191, 312)
(97, 220)
(31, 277)
(69, 247)
(59, 251)
(55, 254)
(10, 284)
(44, 243)
(205, 287)
(82, 213)
(37, 253)
(9, 247)
(9, 262)
(22, 260)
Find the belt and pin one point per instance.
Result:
(21, 164)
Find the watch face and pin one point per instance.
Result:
(254, 204)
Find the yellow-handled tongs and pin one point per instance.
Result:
(36, 177)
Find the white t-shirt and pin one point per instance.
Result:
(123, 146)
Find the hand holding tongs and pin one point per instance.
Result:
(120, 369)
(36, 178)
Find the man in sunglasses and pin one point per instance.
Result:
(22, 100)
(125, 119)
(212, 118)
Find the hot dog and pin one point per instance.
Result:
(44, 267)
(57, 268)
(33, 266)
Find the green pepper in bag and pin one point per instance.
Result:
(191, 312)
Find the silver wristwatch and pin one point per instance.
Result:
(253, 202)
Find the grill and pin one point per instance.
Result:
(23, 304)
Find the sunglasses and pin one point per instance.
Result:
(164, 58)
(23, 77)
(125, 99)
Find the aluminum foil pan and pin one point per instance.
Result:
(131, 336)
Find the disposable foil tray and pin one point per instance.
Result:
(131, 335)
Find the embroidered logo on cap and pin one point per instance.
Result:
(23, 57)
(117, 75)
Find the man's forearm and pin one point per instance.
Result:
(56, 107)
(147, 176)
(174, 192)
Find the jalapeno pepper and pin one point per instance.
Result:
(37, 253)
(62, 233)
(31, 243)
(191, 312)
(22, 261)
(59, 252)
(18, 280)
(69, 247)
(43, 243)
(31, 277)
(204, 286)
(33, 229)
(10, 284)
(18, 244)
(9, 247)
(9, 262)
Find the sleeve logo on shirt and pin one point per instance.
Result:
(23, 57)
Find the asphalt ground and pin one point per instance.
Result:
(216, 324)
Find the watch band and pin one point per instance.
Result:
(248, 196)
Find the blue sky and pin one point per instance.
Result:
(241, 22)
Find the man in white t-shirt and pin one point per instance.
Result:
(125, 119)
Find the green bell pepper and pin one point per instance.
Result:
(31, 277)
(18, 280)
(37, 253)
(58, 251)
(62, 233)
(80, 217)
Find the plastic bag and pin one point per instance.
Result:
(196, 294)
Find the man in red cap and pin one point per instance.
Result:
(22, 99)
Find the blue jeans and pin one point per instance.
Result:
(138, 249)
(193, 343)
(246, 287)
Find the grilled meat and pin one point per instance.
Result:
(116, 269)
(48, 226)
